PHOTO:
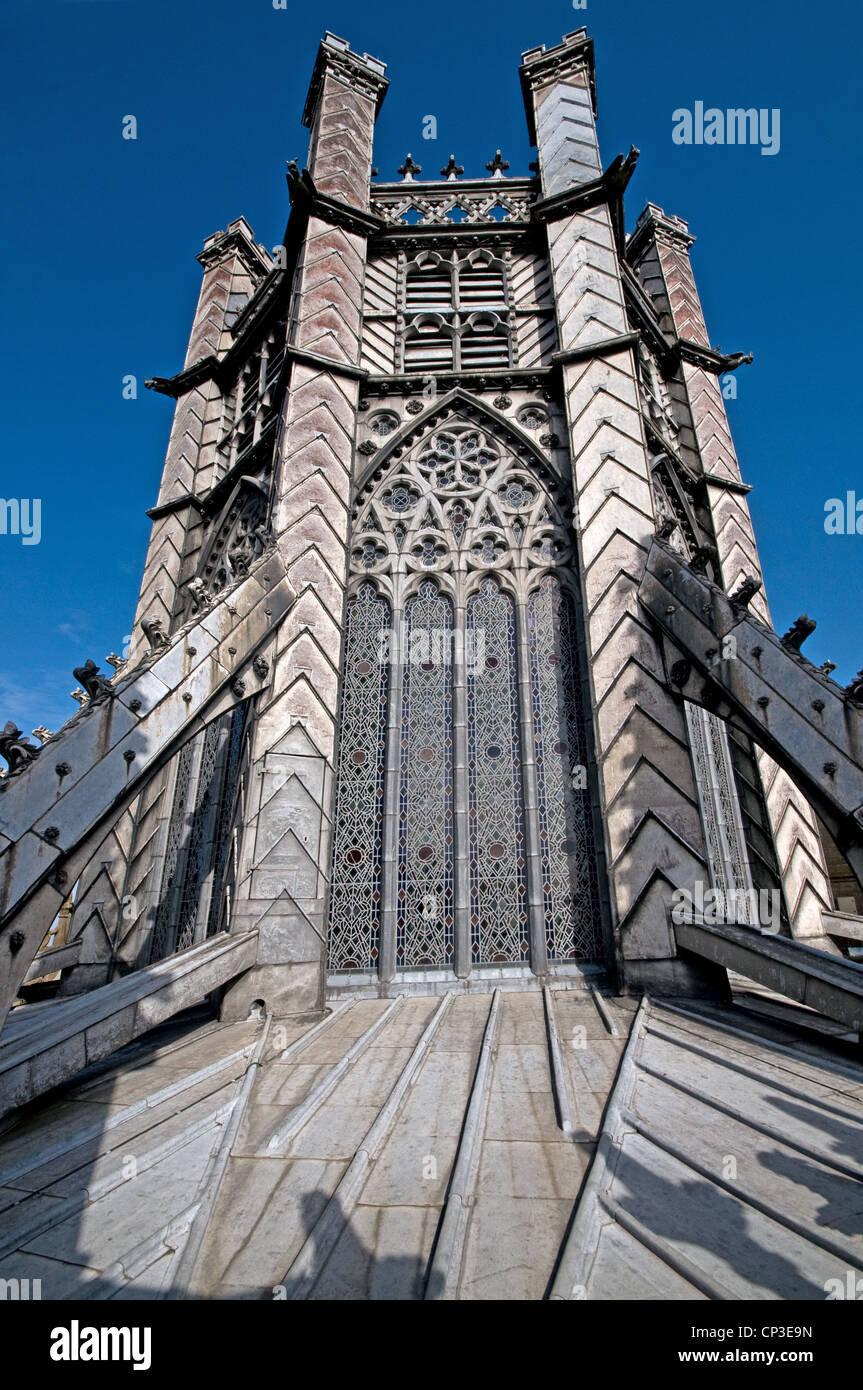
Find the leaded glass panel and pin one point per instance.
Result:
(425, 881)
(357, 841)
(466, 536)
(498, 915)
(567, 854)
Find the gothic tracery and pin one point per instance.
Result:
(460, 549)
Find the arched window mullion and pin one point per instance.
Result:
(499, 920)
(461, 867)
(392, 783)
(358, 827)
(535, 893)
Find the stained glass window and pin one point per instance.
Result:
(498, 915)
(570, 896)
(425, 881)
(356, 878)
(481, 536)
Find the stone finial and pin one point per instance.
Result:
(452, 170)
(826, 667)
(114, 660)
(360, 72)
(80, 695)
(95, 684)
(799, 630)
(17, 750)
(497, 165)
(409, 168)
(42, 733)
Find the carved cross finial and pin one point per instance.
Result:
(408, 169)
(452, 170)
(497, 165)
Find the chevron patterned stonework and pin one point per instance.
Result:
(287, 838)
(233, 267)
(363, 863)
(566, 137)
(650, 804)
(665, 269)
(475, 399)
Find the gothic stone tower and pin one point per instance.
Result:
(448, 419)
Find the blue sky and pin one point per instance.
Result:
(101, 235)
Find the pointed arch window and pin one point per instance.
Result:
(425, 839)
(356, 883)
(199, 865)
(498, 906)
(471, 816)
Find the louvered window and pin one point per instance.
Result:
(456, 313)
(481, 288)
(430, 289)
(252, 406)
(483, 344)
(430, 344)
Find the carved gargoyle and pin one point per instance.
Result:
(742, 597)
(732, 360)
(621, 169)
(18, 751)
(152, 630)
(93, 682)
(854, 691)
(703, 556)
(197, 591)
(799, 630)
